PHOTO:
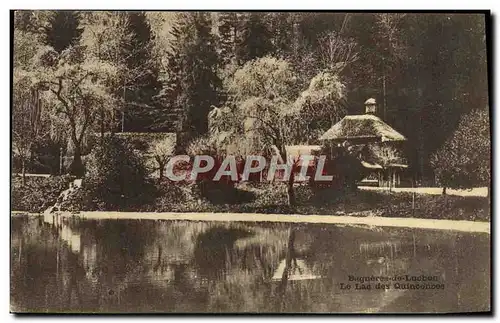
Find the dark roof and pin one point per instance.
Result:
(362, 126)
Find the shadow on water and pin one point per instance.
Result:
(72, 265)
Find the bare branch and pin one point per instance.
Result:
(337, 52)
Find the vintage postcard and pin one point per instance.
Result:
(250, 162)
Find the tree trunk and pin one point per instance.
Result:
(102, 126)
(76, 167)
(23, 170)
(124, 105)
(444, 190)
(289, 189)
(290, 256)
(61, 161)
(123, 122)
(290, 193)
(383, 90)
(162, 167)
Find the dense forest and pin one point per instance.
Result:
(85, 72)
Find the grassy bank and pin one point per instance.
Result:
(401, 204)
(38, 193)
(272, 199)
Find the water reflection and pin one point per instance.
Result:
(60, 264)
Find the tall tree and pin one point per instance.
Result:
(284, 32)
(254, 37)
(336, 52)
(76, 86)
(227, 24)
(261, 112)
(311, 26)
(442, 77)
(161, 26)
(125, 39)
(262, 93)
(24, 20)
(193, 81)
(28, 126)
(62, 29)
(321, 104)
(141, 78)
(104, 33)
(170, 114)
(464, 159)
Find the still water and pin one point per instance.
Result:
(75, 265)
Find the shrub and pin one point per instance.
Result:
(117, 178)
(464, 159)
(222, 192)
(170, 194)
(39, 192)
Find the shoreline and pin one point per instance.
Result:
(25, 213)
(417, 223)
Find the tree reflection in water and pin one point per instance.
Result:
(214, 250)
(290, 257)
(182, 266)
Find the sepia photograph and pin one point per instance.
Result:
(256, 162)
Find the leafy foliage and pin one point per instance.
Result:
(464, 159)
(77, 88)
(104, 34)
(161, 151)
(263, 113)
(194, 85)
(254, 37)
(265, 107)
(265, 198)
(228, 29)
(141, 76)
(261, 94)
(127, 41)
(117, 178)
(201, 146)
(385, 155)
(29, 126)
(168, 71)
(38, 193)
(321, 104)
(62, 29)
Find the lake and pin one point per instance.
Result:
(160, 266)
